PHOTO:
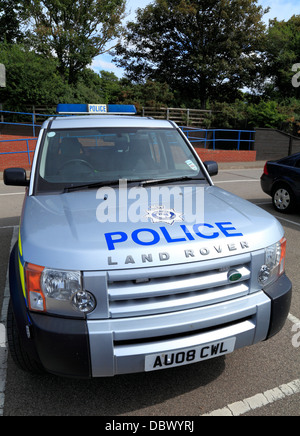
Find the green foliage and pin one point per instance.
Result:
(243, 114)
(9, 21)
(151, 93)
(265, 114)
(178, 53)
(110, 87)
(123, 91)
(202, 49)
(228, 115)
(73, 31)
(33, 79)
(282, 52)
(30, 79)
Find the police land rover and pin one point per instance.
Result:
(129, 259)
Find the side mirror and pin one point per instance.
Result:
(211, 167)
(15, 177)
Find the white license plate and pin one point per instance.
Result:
(189, 355)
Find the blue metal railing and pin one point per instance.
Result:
(30, 114)
(189, 132)
(214, 138)
(31, 124)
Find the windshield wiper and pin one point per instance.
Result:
(141, 182)
(169, 180)
(100, 184)
(91, 185)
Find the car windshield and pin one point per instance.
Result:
(74, 157)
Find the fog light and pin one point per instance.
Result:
(264, 274)
(84, 301)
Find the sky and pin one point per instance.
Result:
(281, 9)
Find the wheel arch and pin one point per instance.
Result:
(281, 183)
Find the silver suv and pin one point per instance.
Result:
(129, 259)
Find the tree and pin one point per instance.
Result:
(32, 79)
(282, 53)
(150, 93)
(9, 21)
(266, 114)
(110, 87)
(74, 31)
(203, 48)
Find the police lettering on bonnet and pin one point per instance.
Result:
(96, 291)
(118, 237)
(155, 236)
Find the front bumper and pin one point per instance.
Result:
(246, 320)
(97, 348)
(121, 346)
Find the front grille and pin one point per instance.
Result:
(168, 289)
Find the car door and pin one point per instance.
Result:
(296, 176)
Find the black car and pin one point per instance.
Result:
(281, 180)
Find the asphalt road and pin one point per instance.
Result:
(263, 379)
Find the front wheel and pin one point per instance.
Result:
(18, 353)
(283, 199)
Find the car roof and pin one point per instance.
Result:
(94, 121)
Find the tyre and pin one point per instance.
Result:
(283, 199)
(17, 350)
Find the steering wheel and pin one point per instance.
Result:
(77, 161)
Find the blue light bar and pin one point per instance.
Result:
(98, 109)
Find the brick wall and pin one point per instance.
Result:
(226, 155)
(15, 160)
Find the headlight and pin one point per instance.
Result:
(274, 263)
(57, 292)
(60, 285)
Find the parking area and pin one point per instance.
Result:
(260, 380)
